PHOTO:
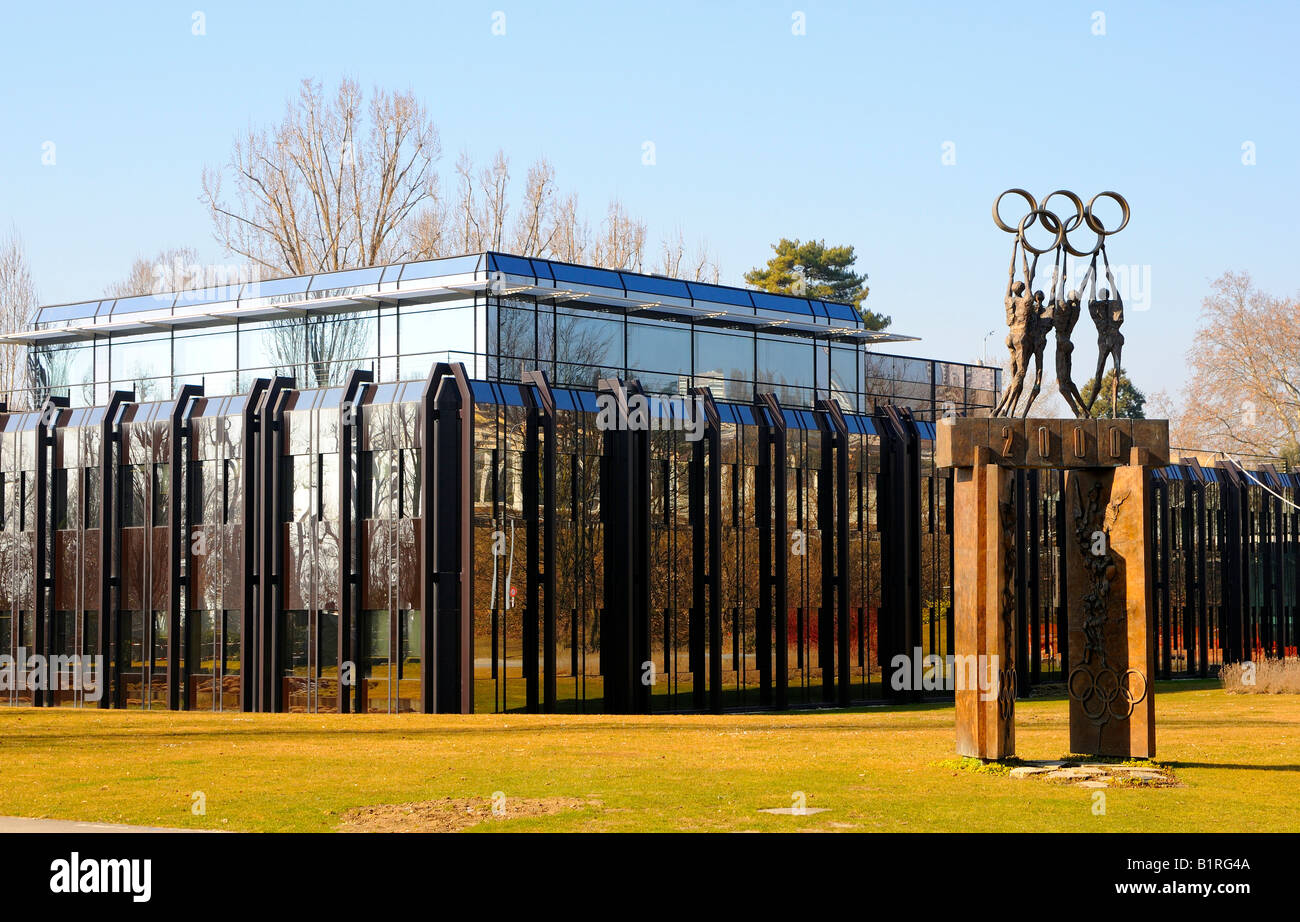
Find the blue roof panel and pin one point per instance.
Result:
(781, 303)
(845, 312)
(515, 265)
(586, 275)
(670, 288)
(720, 294)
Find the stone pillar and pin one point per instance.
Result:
(1108, 555)
(984, 608)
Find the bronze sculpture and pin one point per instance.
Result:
(1029, 320)
(1065, 314)
(1019, 304)
(1108, 314)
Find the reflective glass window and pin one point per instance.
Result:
(425, 331)
(587, 346)
(661, 346)
(785, 361)
(206, 358)
(161, 492)
(142, 364)
(724, 355)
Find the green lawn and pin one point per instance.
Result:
(1238, 757)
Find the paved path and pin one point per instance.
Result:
(10, 824)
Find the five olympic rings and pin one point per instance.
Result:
(1058, 228)
(1109, 688)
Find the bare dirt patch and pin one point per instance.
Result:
(453, 814)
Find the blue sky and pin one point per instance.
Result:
(759, 133)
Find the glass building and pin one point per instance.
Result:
(499, 315)
(496, 483)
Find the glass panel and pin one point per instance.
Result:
(587, 347)
(512, 327)
(63, 370)
(135, 494)
(92, 497)
(161, 491)
(662, 347)
(431, 331)
(208, 358)
(143, 364)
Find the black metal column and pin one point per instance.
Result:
(269, 544)
(250, 495)
(179, 624)
(110, 445)
(1187, 524)
(449, 524)
(349, 639)
(617, 470)
(1232, 621)
(539, 472)
(46, 425)
(711, 446)
(835, 551)
(899, 509)
(1160, 498)
(773, 549)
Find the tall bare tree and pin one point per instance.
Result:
(1243, 390)
(18, 303)
(335, 185)
(622, 243)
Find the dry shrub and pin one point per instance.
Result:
(1272, 677)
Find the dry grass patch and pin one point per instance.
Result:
(1266, 677)
(453, 814)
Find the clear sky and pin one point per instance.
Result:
(837, 133)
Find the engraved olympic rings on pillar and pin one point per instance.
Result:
(1106, 693)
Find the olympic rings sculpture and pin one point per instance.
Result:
(1060, 229)
(1109, 689)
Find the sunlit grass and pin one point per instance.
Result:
(1237, 757)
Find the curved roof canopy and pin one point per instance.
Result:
(451, 277)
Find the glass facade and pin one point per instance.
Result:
(537, 487)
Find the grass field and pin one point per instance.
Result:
(1237, 756)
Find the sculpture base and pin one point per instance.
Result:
(1109, 577)
(1106, 564)
(984, 520)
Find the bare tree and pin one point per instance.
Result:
(544, 222)
(569, 233)
(18, 303)
(335, 185)
(535, 229)
(622, 244)
(339, 184)
(171, 270)
(1243, 390)
(675, 262)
